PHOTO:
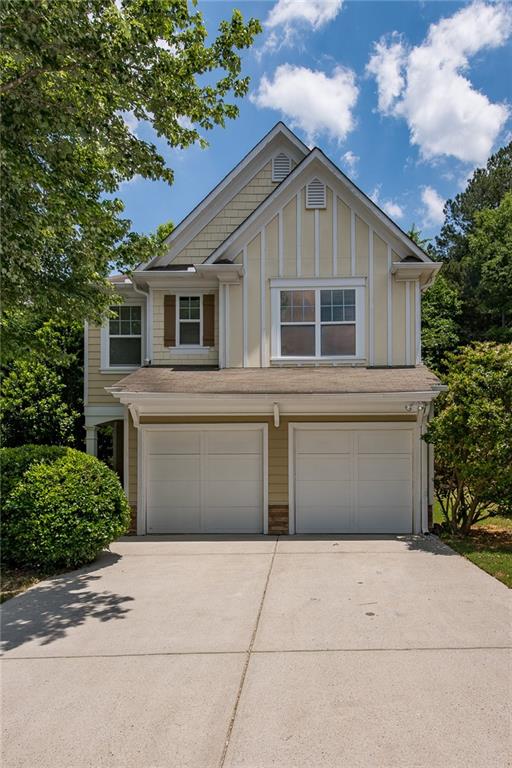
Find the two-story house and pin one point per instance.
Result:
(265, 374)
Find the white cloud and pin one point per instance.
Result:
(316, 13)
(425, 84)
(392, 208)
(131, 122)
(350, 161)
(386, 65)
(311, 100)
(434, 204)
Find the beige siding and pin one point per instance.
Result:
(325, 238)
(398, 292)
(162, 355)
(97, 381)
(380, 301)
(253, 302)
(238, 209)
(308, 240)
(344, 240)
(290, 238)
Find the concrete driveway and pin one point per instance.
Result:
(300, 652)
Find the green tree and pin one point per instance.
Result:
(471, 437)
(41, 391)
(70, 72)
(440, 315)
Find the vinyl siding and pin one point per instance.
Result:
(162, 355)
(97, 381)
(232, 215)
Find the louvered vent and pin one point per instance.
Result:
(315, 194)
(281, 166)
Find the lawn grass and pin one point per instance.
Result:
(489, 545)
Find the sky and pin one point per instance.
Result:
(407, 98)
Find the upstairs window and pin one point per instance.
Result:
(318, 321)
(189, 321)
(125, 336)
(281, 166)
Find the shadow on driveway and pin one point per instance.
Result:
(47, 611)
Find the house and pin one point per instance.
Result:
(265, 374)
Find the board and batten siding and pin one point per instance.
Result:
(227, 220)
(334, 242)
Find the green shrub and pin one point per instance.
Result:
(14, 462)
(64, 509)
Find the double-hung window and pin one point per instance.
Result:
(189, 321)
(125, 336)
(318, 322)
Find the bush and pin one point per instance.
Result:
(63, 508)
(471, 435)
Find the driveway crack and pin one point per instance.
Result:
(247, 660)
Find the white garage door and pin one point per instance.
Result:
(353, 480)
(204, 480)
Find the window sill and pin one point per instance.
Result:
(121, 369)
(179, 351)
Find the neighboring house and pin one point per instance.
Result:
(265, 374)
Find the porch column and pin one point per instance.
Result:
(91, 440)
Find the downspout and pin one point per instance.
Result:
(425, 472)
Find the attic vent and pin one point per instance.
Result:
(281, 166)
(315, 194)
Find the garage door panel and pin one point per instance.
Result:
(381, 520)
(228, 519)
(231, 494)
(316, 519)
(381, 468)
(311, 467)
(170, 468)
(322, 494)
(226, 469)
(384, 441)
(322, 441)
(174, 519)
(385, 495)
(178, 442)
(233, 442)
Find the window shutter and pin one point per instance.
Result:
(209, 320)
(169, 320)
(281, 166)
(315, 194)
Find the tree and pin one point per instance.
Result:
(471, 437)
(41, 392)
(70, 73)
(489, 259)
(440, 314)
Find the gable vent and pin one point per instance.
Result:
(315, 194)
(281, 166)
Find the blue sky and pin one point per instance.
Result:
(406, 97)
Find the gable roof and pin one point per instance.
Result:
(316, 155)
(280, 135)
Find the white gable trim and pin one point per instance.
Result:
(280, 138)
(271, 204)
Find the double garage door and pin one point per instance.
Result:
(342, 479)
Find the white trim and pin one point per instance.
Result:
(410, 426)
(142, 461)
(85, 392)
(317, 242)
(126, 453)
(100, 413)
(371, 300)
(298, 233)
(263, 250)
(188, 347)
(245, 312)
(408, 323)
(276, 286)
(352, 241)
(222, 327)
(334, 232)
(417, 321)
(149, 325)
(280, 244)
(226, 321)
(390, 308)
(186, 350)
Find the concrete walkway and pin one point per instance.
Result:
(302, 652)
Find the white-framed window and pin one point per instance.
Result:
(318, 320)
(122, 337)
(189, 321)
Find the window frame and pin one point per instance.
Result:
(317, 285)
(106, 365)
(178, 344)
